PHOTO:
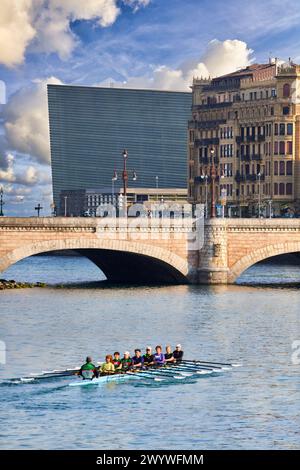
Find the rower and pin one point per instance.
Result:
(88, 370)
(108, 366)
(169, 357)
(178, 353)
(117, 361)
(148, 357)
(126, 361)
(137, 360)
(159, 357)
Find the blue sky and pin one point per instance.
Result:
(134, 39)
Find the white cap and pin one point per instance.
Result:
(127, 353)
(148, 347)
(178, 346)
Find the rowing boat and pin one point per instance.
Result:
(174, 372)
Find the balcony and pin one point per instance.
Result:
(206, 124)
(239, 178)
(211, 106)
(256, 157)
(205, 142)
(250, 138)
(245, 158)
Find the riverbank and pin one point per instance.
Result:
(12, 284)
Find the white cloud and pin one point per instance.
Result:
(16, 30)
(26, 121)
(220, 57)
(136, 4)
(46, 24)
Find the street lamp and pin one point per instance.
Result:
(205, 177)
(213, 175)
(114, 178)
(65, 198)
(1, 202)
(259, 202)
(270, 209)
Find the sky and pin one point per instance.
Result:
(157, 44)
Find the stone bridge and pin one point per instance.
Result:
(163, 253)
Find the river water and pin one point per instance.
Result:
(252, 407)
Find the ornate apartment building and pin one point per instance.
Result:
(244, 141)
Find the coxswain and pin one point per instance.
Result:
(159, 357)
(178, 353)
(148, 357)
(126, 361)
(88, 370)
(169, 357)
(108, 366)
(137, 360)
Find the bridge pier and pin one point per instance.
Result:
(213, 259)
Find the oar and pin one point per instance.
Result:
(199, 367)
(158, 372)
(51, 374)
(212, 363)
(197, 370)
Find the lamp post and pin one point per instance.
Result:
(65, 198)
(205, 177)
(1, 202)
(259, 202)
(213, 175)
(270, 209)
(124, 174)
(156, 185)
(114, 178)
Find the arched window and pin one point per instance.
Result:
(286, 90)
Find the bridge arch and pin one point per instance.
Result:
(120, 260)
(259, 255)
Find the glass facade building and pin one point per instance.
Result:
(90, 127)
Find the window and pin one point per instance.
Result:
(286, 110)
(289, 128)
(273, 93)
(276, 168)
(276, 129)
(286, 90)
(282, 147)
(281, 189)
(275, 148)
(289, 168)
(289, 189)
(289, 147)
(282, 129)
(281, 168)
(275, 189)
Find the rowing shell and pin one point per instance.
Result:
(106, 378)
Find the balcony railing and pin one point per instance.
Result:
(245, 158)
(204, 142)
(256, 156)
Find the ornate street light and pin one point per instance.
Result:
(1, 202)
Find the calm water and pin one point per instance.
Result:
(256, 406)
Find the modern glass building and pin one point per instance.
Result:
(90, 127)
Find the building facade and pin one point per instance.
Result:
(86, 203)
(244, 141)
(90, 127)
